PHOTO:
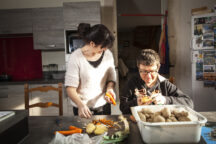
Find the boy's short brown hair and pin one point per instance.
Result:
(148, 57)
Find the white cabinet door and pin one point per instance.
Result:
(12, 97)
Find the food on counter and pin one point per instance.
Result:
(111, 98)
(132, 118)
(147, 100)
(90, 128)
(141, 92)
(100, 129)
(96, 129)
(126, 124)
(158, 118)
(165, 115)
(142, 116)
(106, 122)
(119, 135)
(72, 130)
(69, 132)
(99, 126)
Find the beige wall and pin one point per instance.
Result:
(179, 32)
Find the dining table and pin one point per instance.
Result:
(42, 128)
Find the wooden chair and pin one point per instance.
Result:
(44, 104)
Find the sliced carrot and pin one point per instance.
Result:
(73, 128)
(69, 132)
(132, 118)
(111, 98)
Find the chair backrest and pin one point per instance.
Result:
(44, 104)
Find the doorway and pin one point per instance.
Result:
(139, 27)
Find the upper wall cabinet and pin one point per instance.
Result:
(15, 21)
(81, 12)
(48, 28)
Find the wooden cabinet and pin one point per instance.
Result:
(12, 97)
(48, 28)
(15, 21)
(81, 12)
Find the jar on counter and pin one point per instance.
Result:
(53, 67)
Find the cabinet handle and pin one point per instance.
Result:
(51, 46)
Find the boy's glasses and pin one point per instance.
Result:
(147, 72)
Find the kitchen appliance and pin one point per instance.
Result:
(5, 77)
(49, 70)
(53, 67)
(203, 51)
(73, 42)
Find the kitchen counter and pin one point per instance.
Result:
(211, 116)
(13, 129)
(42, 128)
(37, 81)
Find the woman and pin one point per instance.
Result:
(91, 72)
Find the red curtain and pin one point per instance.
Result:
(19, 59)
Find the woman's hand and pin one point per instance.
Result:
(84, 111)
(158, 98)
(111, 92)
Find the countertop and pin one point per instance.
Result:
(19, 114)
(41, 128)
(211, 116)
(37, 81)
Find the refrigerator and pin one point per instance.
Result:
(203, 51)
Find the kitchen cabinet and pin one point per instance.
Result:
(48, 28)
(80, 12)
(12, 98)
(15, 21)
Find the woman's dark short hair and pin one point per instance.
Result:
(98, 33)
(148, 57)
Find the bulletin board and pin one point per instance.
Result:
(204, 49)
